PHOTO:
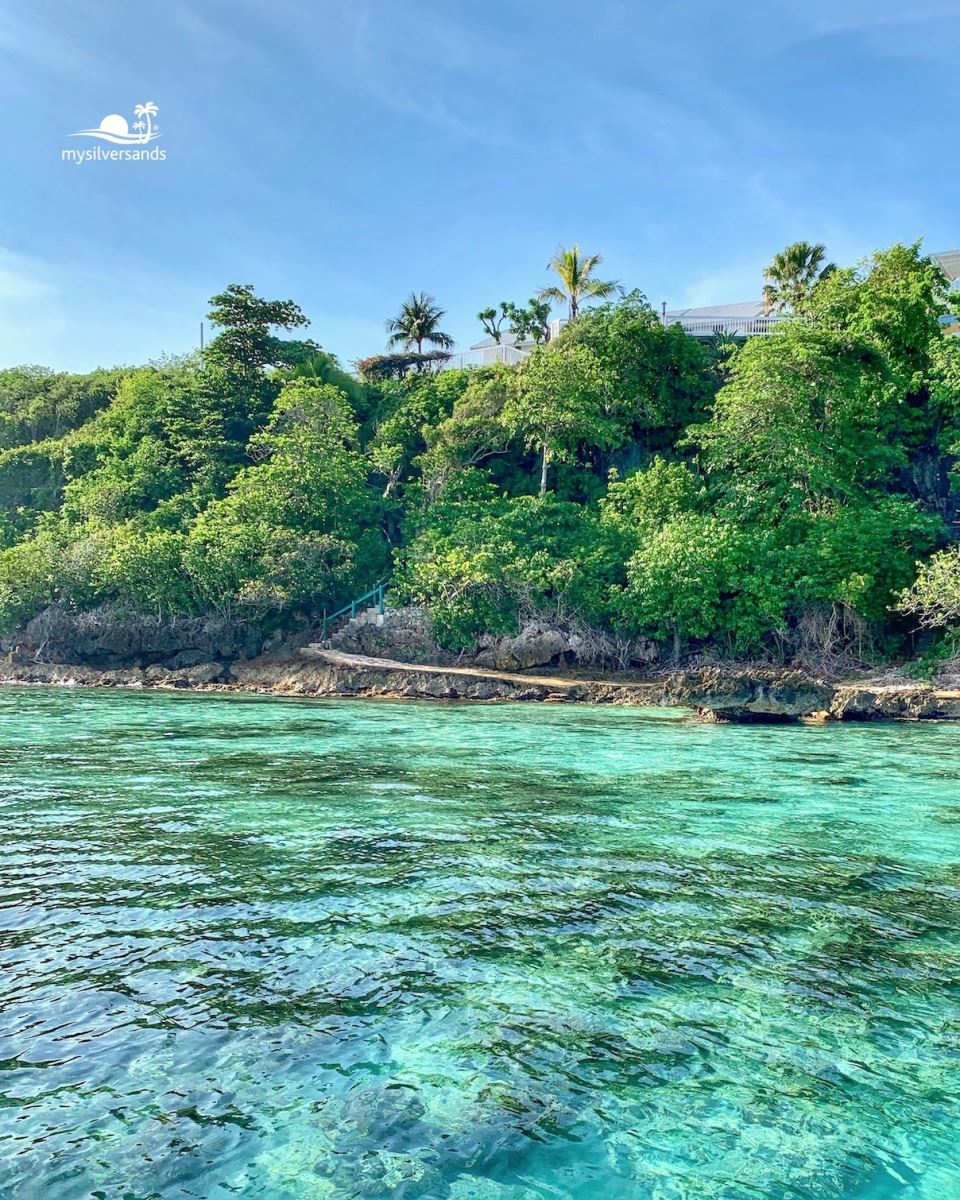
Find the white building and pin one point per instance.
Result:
(489, 351)
(735, 320)
(949, 263)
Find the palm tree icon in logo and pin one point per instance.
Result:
(147, 110)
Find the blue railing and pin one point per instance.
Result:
(375, 593)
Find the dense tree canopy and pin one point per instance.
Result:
(785, 495)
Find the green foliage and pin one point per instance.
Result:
(165, 507)
(407, 412)
(893, 302)
(478, 557)
(473, 432)
(578, 284)
(492, 320)
(169, 435)
(243, 363)
(289, 531)
(531, 323)
(656, 379)
(800, 421)
(37, 405)
(245, 343)
(859, 555)
(31, 482)
(380, 367)
(934, 597)
(699, 570)
(793, 276)
(698, 576)
(417, 322)
(635, 508)
(556, 402)
(789, 488)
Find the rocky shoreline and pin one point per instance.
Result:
(749, 695)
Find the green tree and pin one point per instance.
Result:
(36, 404)
(577, 283)
(659, 380)
(474, 431)
(531, 323)
(165, 436)
(418, 321)
(409, 411)
(245, 342)
(555, 403)
(800, 421)
(477, 559)
(492, 320)
(934, 597)
(298, 528)
(695, 578)
(792, 276)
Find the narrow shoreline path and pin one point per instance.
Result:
(340, 658)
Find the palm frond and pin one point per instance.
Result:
(601, 288)
(552, 293)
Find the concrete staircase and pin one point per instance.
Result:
(368, 616)
(354, 614)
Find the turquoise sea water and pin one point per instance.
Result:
(297, 950)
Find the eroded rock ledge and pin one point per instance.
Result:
(715, 694)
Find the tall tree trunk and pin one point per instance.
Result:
(543, 470)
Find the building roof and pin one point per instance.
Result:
(746, 309)
(506, 339)
(949, 263)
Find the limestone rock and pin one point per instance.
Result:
(870, 703)
(107, 638)
(534, 646)
(401, 633)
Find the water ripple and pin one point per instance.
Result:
(303, 950)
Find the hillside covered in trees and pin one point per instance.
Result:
(788, 497)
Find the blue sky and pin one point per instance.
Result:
(345, 153)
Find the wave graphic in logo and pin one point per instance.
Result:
(114, 128)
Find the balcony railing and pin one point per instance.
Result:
(481, 358)
(731, 326)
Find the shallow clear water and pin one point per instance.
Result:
(293, 950)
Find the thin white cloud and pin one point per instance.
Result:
(414, 59)
(31, 312)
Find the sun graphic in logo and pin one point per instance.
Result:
(114, 128)
(114, 123)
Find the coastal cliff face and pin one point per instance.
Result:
(109, 639)
(715, 694)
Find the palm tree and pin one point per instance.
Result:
(575, 269)
(793, 275)
(147, 110)
(418, 322)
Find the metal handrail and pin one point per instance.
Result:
(376, 591)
